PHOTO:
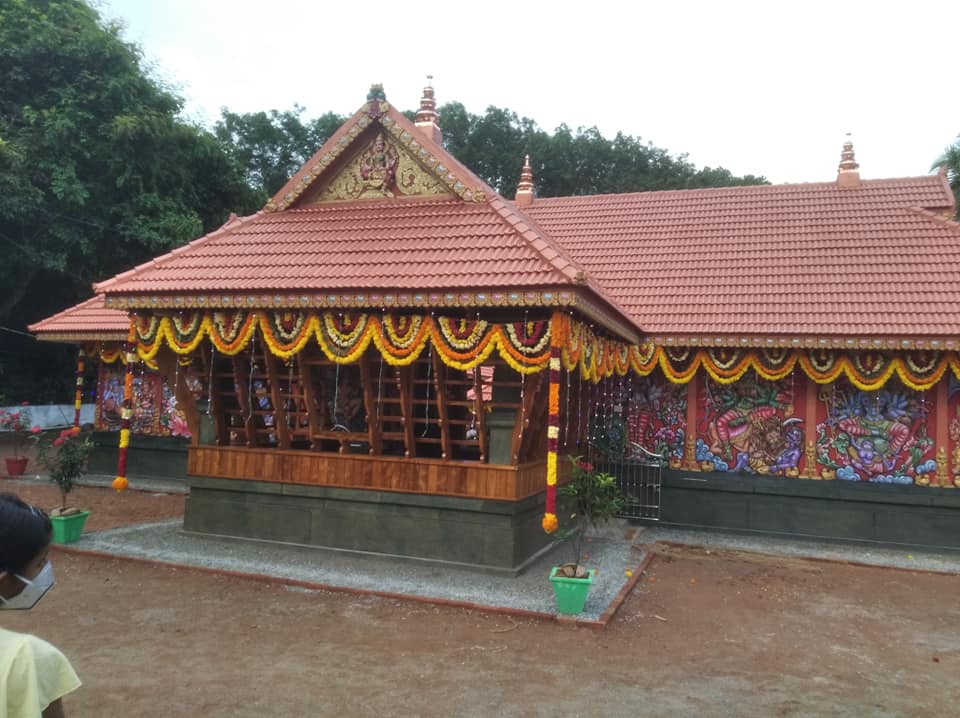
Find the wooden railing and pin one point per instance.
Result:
(378, 473)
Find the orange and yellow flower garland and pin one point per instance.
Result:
(126, 412)
(344, 337)
(550, 522)
(78, 391)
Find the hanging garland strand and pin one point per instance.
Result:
(78, 393)
(126, 412)
(553, 435)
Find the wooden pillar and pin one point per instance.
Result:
(690, 445)
(811, 469)
(480, 412)
(522, 422)
(276, 398)
(440, 392)
(241, 377)
(405, 388)
(374, 422)
(942, 442)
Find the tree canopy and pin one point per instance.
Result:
(568, 162)
(97, 171)
(272, 146)
(951, 160)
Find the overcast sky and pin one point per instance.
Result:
(767, 88)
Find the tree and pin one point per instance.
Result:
(951, 159)
(567, 162)
(272, 146)
(97, 173)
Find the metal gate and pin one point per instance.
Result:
(638, 476)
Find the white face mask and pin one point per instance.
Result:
(34, 591)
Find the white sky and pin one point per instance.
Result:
(767, 88)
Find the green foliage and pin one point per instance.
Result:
(271, 146)
(951, 159)
(65, 459)
(97, 172)
(567, 162)
(589, 500)
(18, 422)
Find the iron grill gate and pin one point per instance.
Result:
(638, 476)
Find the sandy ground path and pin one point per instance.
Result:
(715, 633)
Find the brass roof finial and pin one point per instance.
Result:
(524, 195)
(428, 105)
(848, 174)
(427, 119)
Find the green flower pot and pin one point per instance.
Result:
(67, 529)
(571, 593)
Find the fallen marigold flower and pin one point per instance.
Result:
(550, 523)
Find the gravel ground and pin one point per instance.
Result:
(869, 554)
(140, 483)
(618, 550)
(137, 483)
(530, 591)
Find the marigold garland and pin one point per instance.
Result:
(78, 392)
(126, 413)
(464, 343)
(553, 430)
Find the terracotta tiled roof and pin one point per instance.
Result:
(467, 239)
(87, 321)
(806, 259)
(370, 244)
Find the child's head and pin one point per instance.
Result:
(24, 539)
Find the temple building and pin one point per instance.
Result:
(391, 357)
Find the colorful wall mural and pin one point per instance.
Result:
(657, 416)
(750, 426)
(155, 411)
(792, 427)
(880, 436)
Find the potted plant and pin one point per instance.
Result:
(17, 422)
(590, 499)
(65, 458)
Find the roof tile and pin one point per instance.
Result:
(807, 259)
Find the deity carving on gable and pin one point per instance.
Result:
(381, 169)
(378, 169)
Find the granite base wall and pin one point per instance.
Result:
(163, 456)
(497, 536)
(887, 514)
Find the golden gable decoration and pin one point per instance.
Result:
(383, 168)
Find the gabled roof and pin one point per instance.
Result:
(809, 261)
(333, 237)
(88, 321)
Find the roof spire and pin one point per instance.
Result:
(848, 174)
(524, 196)
(427, 118)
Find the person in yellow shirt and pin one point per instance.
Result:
(34, 676)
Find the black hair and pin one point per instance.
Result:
(24, 532)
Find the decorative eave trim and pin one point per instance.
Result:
(804, 342)
(375, 111)
(567, 298)
(81, 337)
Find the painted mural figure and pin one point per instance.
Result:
(878, 436)
(656, 418)
(789, 457)
(750, 427)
